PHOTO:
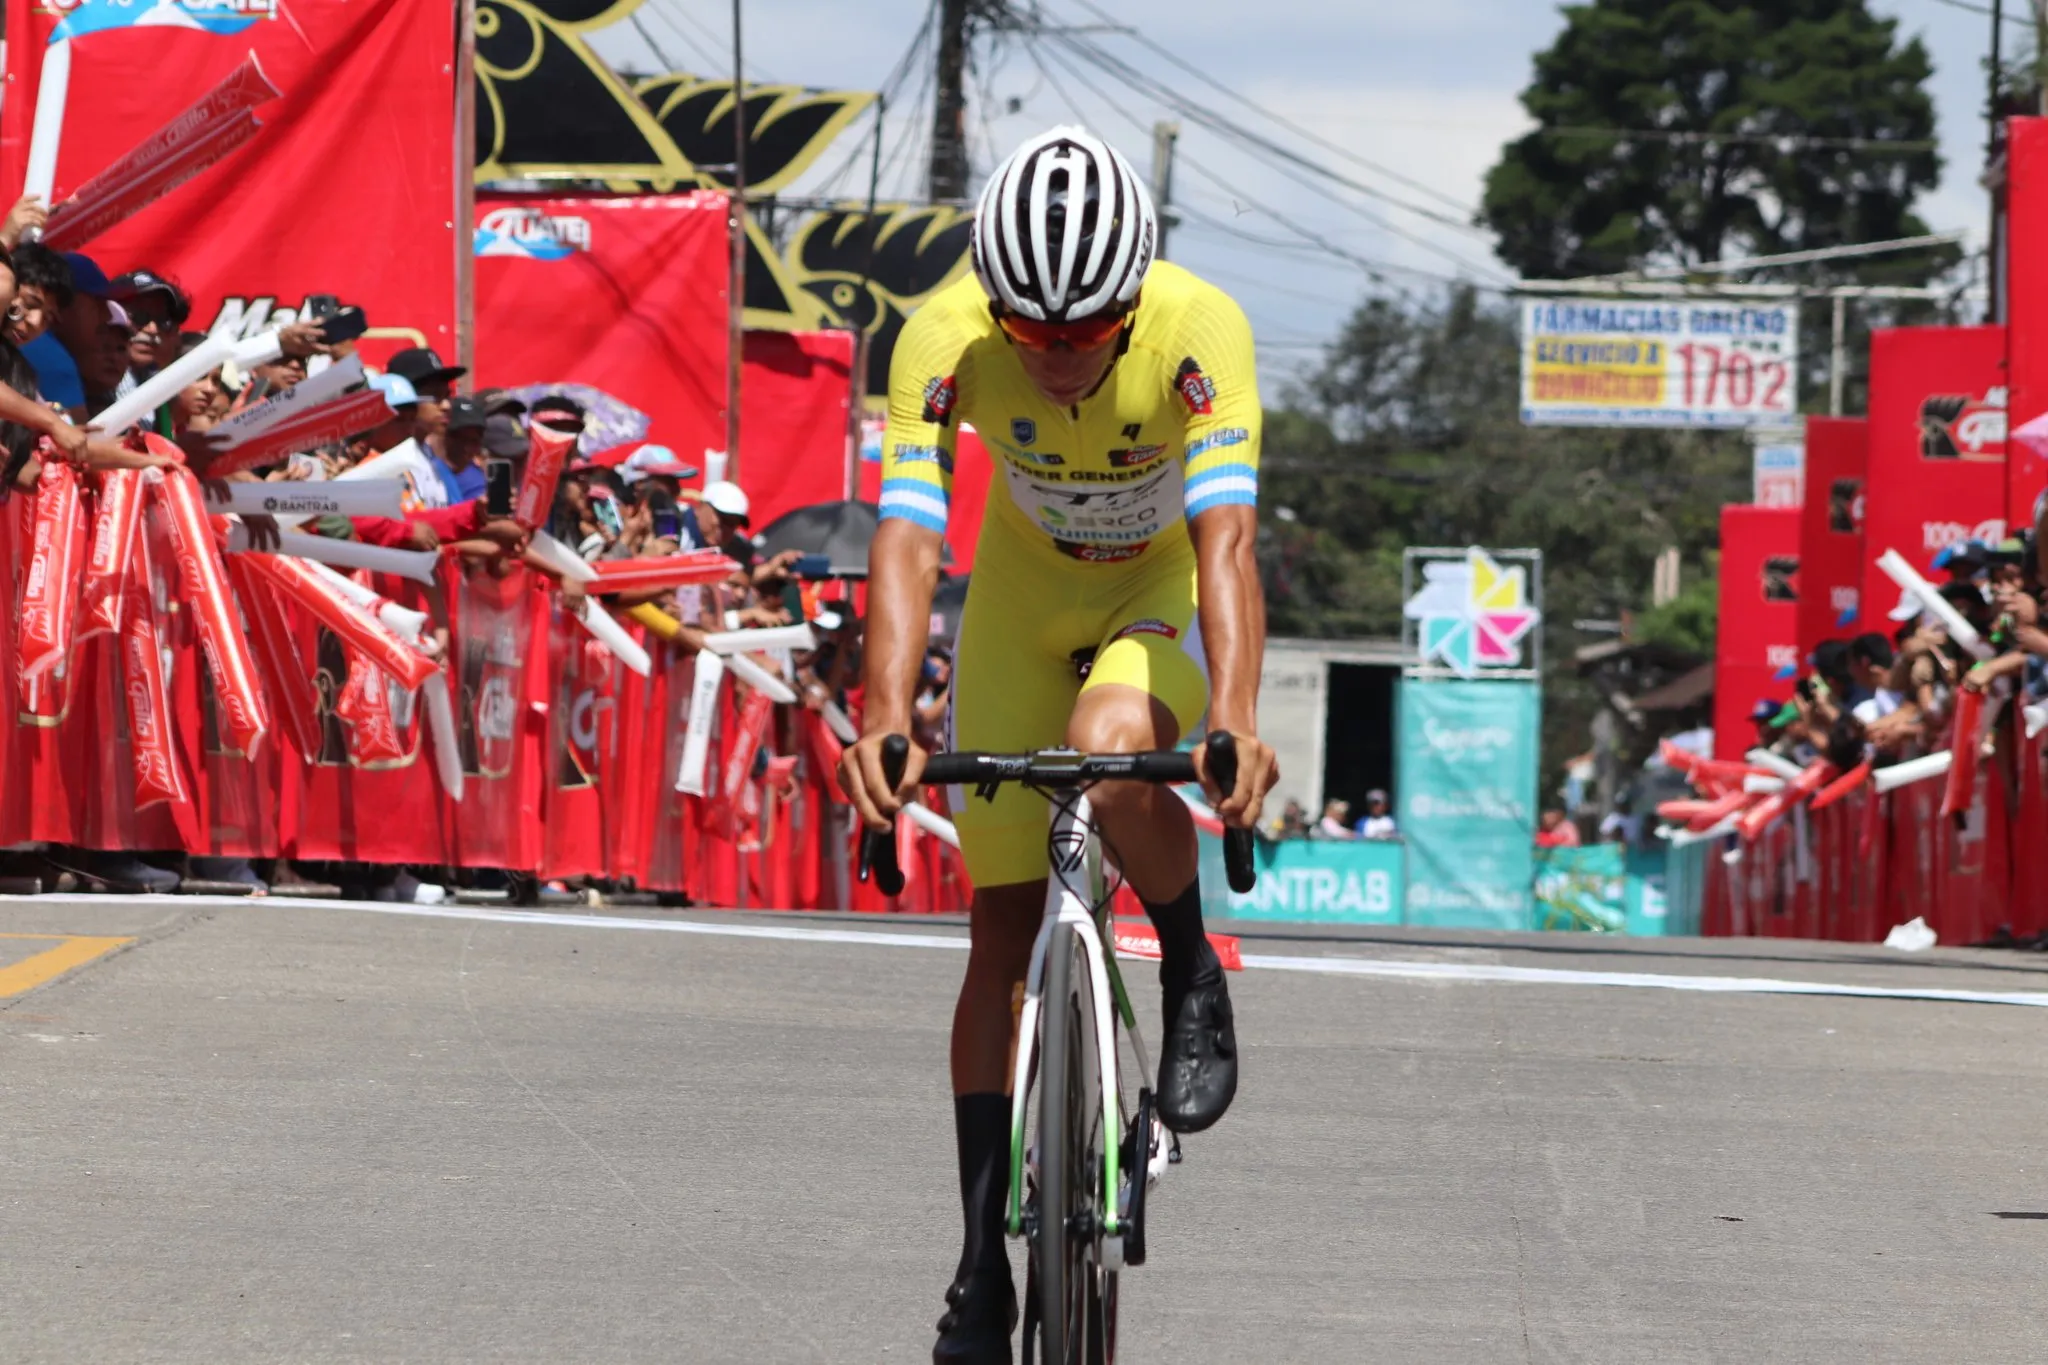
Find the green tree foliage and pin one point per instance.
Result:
(1687, 620)
(1410, 434)
(1686, 131)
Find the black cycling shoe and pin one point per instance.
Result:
(1198, 1066)
(981, 1314)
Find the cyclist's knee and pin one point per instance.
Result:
(1120, 720)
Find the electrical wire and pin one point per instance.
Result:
(1854, 144)
(1111, 65)
(1306, 234)
(640, 27)
(891, 86)
(1967, 7)
(718, 42)
(1287, 123)
(714, 62)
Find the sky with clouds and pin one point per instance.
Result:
(1424, 90)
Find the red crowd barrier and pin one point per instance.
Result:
(1863, 863)
(569, 759)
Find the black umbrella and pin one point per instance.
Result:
(947, 604)
(840, 531)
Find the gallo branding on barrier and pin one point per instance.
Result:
(1936, 451)
(1756, 654)
(1831, 531)
(356, 81)
(1467, 779)
(1613, 362)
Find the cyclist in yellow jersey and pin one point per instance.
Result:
(1117, 397)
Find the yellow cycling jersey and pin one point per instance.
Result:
(1172, 432)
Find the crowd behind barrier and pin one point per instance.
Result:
(1902, 781)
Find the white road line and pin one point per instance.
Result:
(1324, 966)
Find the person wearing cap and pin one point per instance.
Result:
(460, 466)
(75, 332)
(660, 464)
(158, 309)
(720, 512)
(1378, 822)
(434, 381)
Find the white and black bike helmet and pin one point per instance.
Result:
(1065, 229)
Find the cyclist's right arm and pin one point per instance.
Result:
(903, 562)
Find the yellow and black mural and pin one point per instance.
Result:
(550, 109)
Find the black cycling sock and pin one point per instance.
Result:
(981, 1128)
(1185, 957)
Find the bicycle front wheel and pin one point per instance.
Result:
(1076, 1296)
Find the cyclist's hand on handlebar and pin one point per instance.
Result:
(1257, 771)
(860, 777)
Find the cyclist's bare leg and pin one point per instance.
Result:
(1147, 825)
(1002, 925)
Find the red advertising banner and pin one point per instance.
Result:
(364, 136)
(795, 393)
(1831, 532)
(1936, 471)
(2026, 198)
(1756, 652)
(627, 295)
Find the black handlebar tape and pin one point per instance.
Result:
(1237, 843)
(878, 847)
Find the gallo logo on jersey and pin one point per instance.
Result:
(531, 234)
(1099, 554)
(939, 397)
(1958, 427)
(1151, 625)
(1135, 456)
(222, 18)
(1196, 389)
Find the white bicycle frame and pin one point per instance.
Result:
(1079, 851)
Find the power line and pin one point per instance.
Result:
(1984, 10)
(709, 55)
(716, 40)
(1114, 66)
(1780, 140)
(1296, 128)
(1201, 116)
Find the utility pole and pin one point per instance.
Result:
(1994, 170)
(949, 113)
(1165, 136)
(736, 302)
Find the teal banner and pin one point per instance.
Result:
(1311, 881)
(1466, 787)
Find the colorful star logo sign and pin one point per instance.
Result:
(1472, 615)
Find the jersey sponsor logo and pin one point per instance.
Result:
(940, 396)
(1151, 625)
(937, 455)
(1103, 475)
(1044, 459)
(1136, 455)
(1131, 431)
(1098, 554)
(1023, 430)
(1217, 440)
(1196, 389)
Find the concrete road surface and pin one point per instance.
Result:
(285, 1132)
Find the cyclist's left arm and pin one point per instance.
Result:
(1221, 476)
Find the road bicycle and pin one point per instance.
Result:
(1078, 1190)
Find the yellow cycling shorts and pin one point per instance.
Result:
(1015, 681)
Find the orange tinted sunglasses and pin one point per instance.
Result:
(1046, 336)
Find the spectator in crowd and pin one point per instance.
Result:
(42, 292)
(1554, 830)
(73, 333)
(1621, 825)
(460, 463)
(934, 698)
(1336, 821)
(1291, 823)
(1379, 817)
(158, 309)
(433, 382)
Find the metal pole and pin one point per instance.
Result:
(863, 343)
(1164, 138)
(949, 106)
(1994, 307)
(464, 221)
(1837, 357)
(736, 301)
